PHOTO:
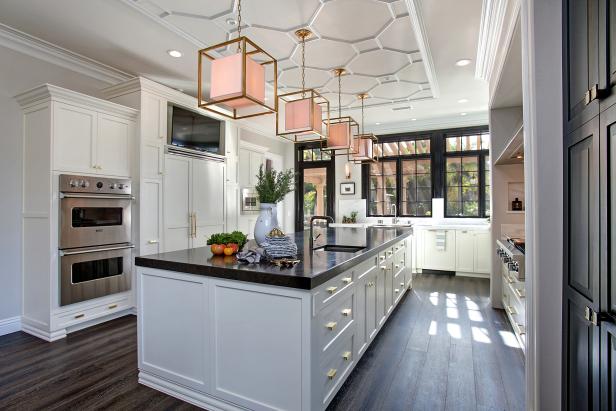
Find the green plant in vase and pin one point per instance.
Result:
(272, 186)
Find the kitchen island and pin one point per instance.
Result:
(228, 336)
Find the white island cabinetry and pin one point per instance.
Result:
(229, 345)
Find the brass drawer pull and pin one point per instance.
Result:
(382, 257)
(347, 280)
(331, 290)
(402, 285)
(397, 265)
(112, 306)
(510, 310)
(390, 252)
(346, 355)
(80, 316)
(331, 374)
(518, 293)
(397, 290)
(331, 325)
(346, 312)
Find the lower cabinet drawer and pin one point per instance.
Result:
(334, 366)
(333, 319)
(89, 312)
(330, 291)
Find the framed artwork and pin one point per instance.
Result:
(347, 188)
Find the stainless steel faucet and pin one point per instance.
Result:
(327, 218)
(395, 212)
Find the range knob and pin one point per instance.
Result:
(85, 184)
(121, 186)
(99, 185)
(73, 183)
(113, 186)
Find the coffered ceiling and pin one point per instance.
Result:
(402, 52)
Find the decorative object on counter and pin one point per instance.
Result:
(271, 187)
(278, 245)
(286, 262)
(227, 243)
(302, 115)
(341, 128)
(350, 220)
(237, 77)
(516, 205)
(363, 143)
(249, 256)
(347, 188)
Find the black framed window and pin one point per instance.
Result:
(453, 164)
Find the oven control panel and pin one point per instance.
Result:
(87, 184)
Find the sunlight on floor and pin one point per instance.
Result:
(475, 315)
(454, 330)
(434, 298)
(432, 329)
(480, 335)
(509, 339)
(452, 313)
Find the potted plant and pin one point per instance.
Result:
(271, 188)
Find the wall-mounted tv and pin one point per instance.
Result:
(188, 129)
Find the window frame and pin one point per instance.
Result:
(438, 156)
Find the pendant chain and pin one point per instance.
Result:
(239, 24)
(339, 94)
(362, 115)
(303, 67)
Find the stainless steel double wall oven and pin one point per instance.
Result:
(95, 237)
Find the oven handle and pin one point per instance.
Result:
(95, 250)
(98, 196)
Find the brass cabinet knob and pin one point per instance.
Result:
(331, 374)
(331, 290)
(382, 257)
(347, 280)
(79, 315)
(397, 290)
(397, 265)
(112, 306)
(346, 355)
(331, 325)
(401, 284)
(346, 312)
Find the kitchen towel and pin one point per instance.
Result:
(441, 237)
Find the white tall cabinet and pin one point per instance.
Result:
(194, 205)
(65, 133)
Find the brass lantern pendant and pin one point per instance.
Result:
(237, 71)
(302, 116)
(341, 128)
(363, 143)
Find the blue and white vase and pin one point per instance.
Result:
(267, 221)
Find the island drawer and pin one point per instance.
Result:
(334, 366)
(328, 293)
(333, 320)
(399, 248)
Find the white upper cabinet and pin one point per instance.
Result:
(249, 163)
(153, 117)
(74, 133)
(114, 145)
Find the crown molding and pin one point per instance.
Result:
(48, 92)
(419, 29)
(35, 47)
(435, 123)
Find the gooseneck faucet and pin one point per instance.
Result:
(327, 218)
(394, 208)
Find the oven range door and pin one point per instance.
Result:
(89, 220)
(93, 272)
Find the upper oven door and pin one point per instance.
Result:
(90, 220)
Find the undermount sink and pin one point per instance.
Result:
(392, 225)
(340, 248)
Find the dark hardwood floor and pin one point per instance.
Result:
(443, 348)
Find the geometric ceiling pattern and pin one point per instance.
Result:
(374, 40)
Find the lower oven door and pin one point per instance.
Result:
(88, 220)
(93, 272)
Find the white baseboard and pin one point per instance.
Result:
(10, 325)
(475, 275)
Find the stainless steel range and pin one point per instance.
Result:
(95, 237)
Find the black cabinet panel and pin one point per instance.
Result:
(608, 207)
(608, 366)
(582, 212)
(581, 60)
(607, 52)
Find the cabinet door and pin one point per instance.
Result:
(371, 311)
(150, 217)
(381, 281)
(232, 202)
(207, 199)
(153, 117)
(361, 335)
(113, 145)
(389, 288)
(483, 253)
(465, 251)
(152, 157)
(244, 170)
(256, 160)
(581, 60)
(176, 209)
(608, 362)
(74, 131)
(439, 257)
(607, 51)
(581, 267)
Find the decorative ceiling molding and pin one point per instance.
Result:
(436, 123)
(492, 16)
(35, 47)
(419, 29)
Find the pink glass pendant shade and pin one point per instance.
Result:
(364, 149)
(300, 117)
(339, 136)
(226, 81)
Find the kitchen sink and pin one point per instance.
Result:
(340, 248)
(391, 225)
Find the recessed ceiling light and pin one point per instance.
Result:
(378, 124)
(463, 114)
(231, 22)
(174, 53)
(463, 62)
(463, 100)
(413, 119)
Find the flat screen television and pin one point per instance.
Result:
(191, 130)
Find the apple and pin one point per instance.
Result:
(235, 247)
(217, 249)
(228, 251)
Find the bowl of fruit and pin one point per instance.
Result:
(227, 243)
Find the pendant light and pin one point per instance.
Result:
(341, 128)
(302, 116)
(237, 73)
(363, 143)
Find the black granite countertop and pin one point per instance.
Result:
(314, 269)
